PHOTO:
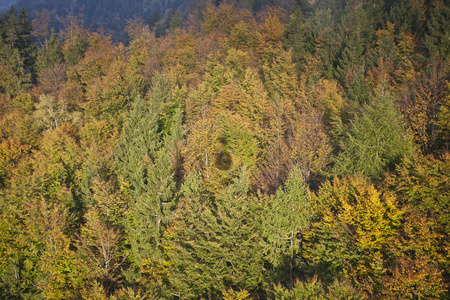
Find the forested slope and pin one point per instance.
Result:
(290, 152)
(110, 15)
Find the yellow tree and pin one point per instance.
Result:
(356, 223)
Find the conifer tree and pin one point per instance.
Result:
(50, 54)
(375, 141)
(215, 242)
(287, 217)
(139, 142)
(147, 159)
(15, 29)
(296, 37)
(13, 76)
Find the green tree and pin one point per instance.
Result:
(139, 142)
(13, 75)
(147, 158)
(50, 54)
(375, 142)
(15, 31)
(214, 242)
(296, 37)
(287, 218)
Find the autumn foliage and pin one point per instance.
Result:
(247, 150)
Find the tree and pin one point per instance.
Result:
(99, 249)
(13, 75)
(286, 219)
(418, 259)
(214, 242)
(353, 225)
(315, 289)
(147, 159)
(375, 141)
(49, 55)
(15, 31)
(51, 112)
(137, 146)
(296, 38)
(422, 104)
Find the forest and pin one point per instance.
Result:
(247, 150)
(108, 15)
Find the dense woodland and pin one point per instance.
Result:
(109, 15)
(289, 151)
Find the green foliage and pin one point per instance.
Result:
(215, 243)
(375, 142)
(15, 30)
(13, 74)
(314, 289)
(49, 55)
(191, 162)
(147, 159)
(287, 218)
(296, 37)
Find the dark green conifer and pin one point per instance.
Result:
(216, 242)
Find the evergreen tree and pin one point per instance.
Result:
(297, 38)
(215, 243)
(137, 148)
(50, 54)
(437, 33)
(13, 75)
(147, 158)
(287, 217)
(16, 32)
(375, 141)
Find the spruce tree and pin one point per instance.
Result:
(50, 54)
(287, 217)
(135, 158)
(375, 142)
(215, 242)
(147, 158)
(296, 37)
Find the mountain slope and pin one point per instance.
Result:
(107, 14)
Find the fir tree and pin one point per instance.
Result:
(50, 54)
(147, 158)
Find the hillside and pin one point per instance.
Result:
(107, 14)
(293, 150)
(111, 15)
(6, 4)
